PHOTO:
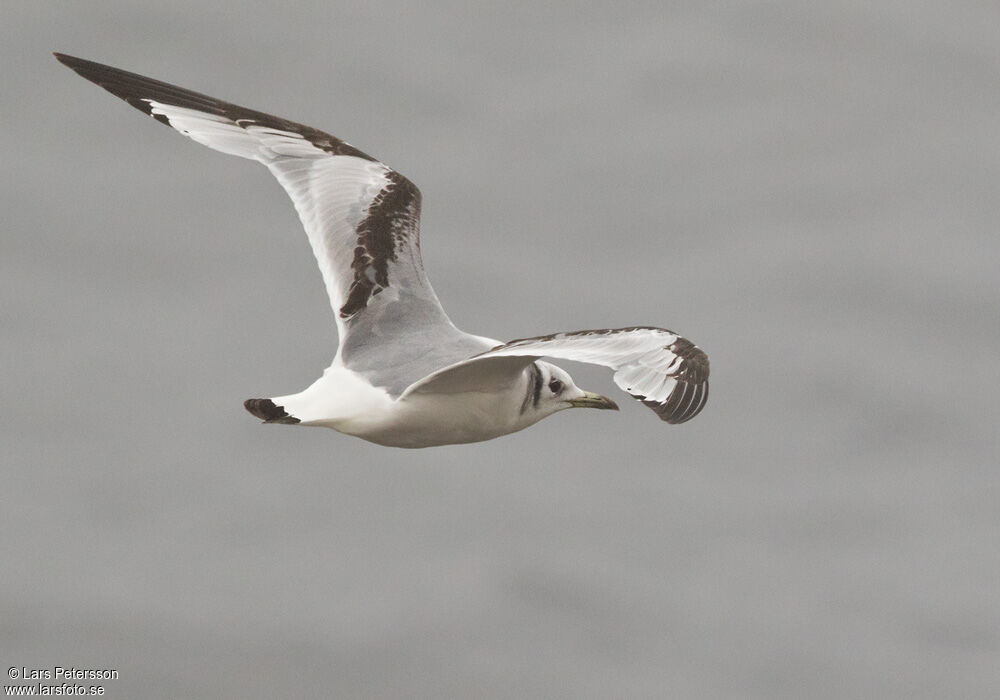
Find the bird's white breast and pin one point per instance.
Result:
(344, 401)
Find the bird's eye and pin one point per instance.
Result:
(555, 386)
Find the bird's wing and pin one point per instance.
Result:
(666, 372)
(362, 218)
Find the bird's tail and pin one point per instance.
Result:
(269, 412)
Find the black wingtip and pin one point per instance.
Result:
(140, 91)
(137, 89)
(72, 61)
(684, 403)
(267, 411)
(690, 393)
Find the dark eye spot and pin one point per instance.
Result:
(555, 386)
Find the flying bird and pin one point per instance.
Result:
(403, 374)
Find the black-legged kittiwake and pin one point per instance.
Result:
(403, 374)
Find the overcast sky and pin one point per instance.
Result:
(806, 190)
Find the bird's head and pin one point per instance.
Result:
(551, 389)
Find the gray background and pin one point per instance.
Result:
(807, 190)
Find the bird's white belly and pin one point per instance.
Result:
(345, 402)
(425, 420)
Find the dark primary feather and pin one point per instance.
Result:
(137, 89)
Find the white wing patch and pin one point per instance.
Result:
(332, 196)
(220, 133)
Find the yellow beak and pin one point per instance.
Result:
(592, 400)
